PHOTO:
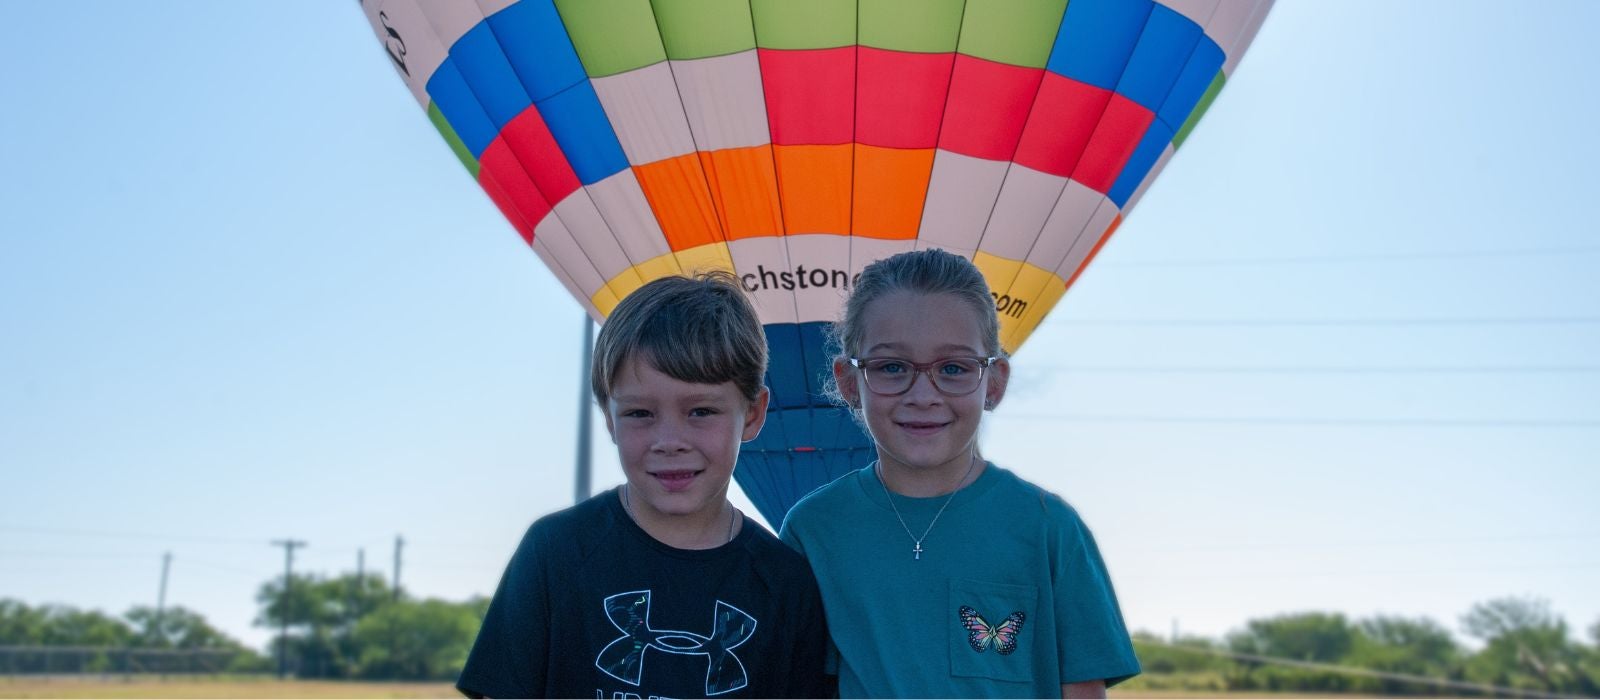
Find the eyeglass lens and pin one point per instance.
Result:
(955, 376)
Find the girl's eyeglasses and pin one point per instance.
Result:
(952, 376)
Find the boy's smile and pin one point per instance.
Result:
(678, 442)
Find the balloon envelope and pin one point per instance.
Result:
(793, 143)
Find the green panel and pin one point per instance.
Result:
(923, 26)
(612, 36)
(449, 134)
(704, 28)
(1018, 32)
(804, 24)
(1199, 110)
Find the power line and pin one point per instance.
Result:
(1340, 259)
(1330, 322)
(1377, 543)
(1307, 422)
(1312, 369)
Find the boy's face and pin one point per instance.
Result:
(678, 440)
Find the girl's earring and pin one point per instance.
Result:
(988, 405)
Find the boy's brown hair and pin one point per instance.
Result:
(698, 329)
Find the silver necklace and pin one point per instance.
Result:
(916, 542)
(733, 513)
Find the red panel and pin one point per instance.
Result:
(507, 204)
(988, 104)
(502, 175)
(900, 97)
(810, 94)
(530, 141)
(1063, 119)
(1113, 143)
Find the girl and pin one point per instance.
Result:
(943, 575)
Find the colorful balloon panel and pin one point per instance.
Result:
(793, 143)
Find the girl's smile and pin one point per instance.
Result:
(923, 434)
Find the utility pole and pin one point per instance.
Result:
(399, 544)
(161, 598)
(585, 411)
(288, 578)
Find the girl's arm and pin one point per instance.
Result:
(1086, 689)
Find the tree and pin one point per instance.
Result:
(176, 628)
(1311, 636)
(1526, 647)
(1415, 646)
(321, 614)
(420, 640)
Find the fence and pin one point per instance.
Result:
(60, 660)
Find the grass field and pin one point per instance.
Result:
(209, 687)
(237, 687)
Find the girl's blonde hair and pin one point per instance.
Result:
(928, 271)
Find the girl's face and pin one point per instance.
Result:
(922, 430)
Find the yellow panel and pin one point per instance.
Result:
(621, 286)
(702, 258)
(657, 267)
(605, 301)
(705, 258)
(1023, 295)
(1046, 289)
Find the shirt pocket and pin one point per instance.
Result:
(991, 635)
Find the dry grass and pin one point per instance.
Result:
(209, 687)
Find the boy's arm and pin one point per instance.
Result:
(1086, 689)
(511, 656)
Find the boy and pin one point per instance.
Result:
(661, 588)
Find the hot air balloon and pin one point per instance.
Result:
(794, 142)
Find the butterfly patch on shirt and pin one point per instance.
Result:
(980, 634)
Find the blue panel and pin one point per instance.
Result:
(1096, 39)
(818, 361)
(785, 366)
(1192, 84)
(535, 41)
(797, 424)
(461, 108)
(751, 473)
(477, 55)
(1164, 48)
(584, 133)
(1139, 164)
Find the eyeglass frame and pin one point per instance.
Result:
(924, 368)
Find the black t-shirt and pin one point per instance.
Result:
(591, 606)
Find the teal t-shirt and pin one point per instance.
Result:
(1009, 598)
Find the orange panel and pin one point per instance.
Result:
(815, 183)
(1094, 251)
(890, 185)
(676, 190)
(744, 183)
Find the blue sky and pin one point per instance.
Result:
(1342, 357)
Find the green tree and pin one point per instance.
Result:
(1311, 636)
(420, 640)
(176, 628)
(1526, 647)
(1414, 646)
(321, 614)
(20, 624)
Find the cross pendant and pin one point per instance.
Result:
(916, 552)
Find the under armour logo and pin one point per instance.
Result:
(623, 658)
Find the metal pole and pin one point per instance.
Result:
(585, 412)
(161, 598)
(399, 544)
(288, 577)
